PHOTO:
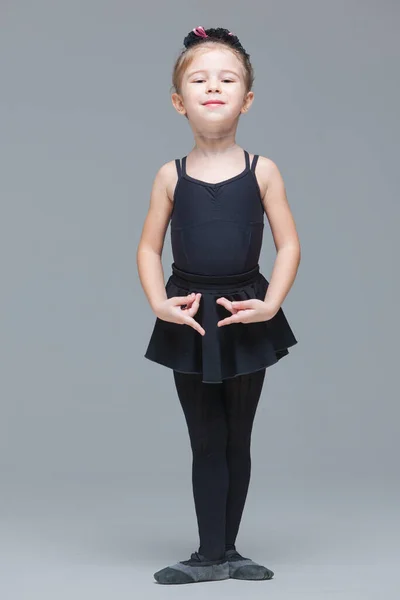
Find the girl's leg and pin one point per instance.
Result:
(241, 396)
(204, 411)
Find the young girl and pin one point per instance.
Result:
(219, 322)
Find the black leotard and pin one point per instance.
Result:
(217, 228)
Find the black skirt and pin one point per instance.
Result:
(223, 352)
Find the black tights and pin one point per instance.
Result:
(220, 418)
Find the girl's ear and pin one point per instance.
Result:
(247, 102)
(178, 104)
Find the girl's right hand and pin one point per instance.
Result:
(171, 310)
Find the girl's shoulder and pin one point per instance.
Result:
(167, 177)
(265, 170)
(264, 163)
(171, 177)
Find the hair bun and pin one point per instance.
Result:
(190, 39)
(218, 33)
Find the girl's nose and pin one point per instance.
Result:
(214, 86)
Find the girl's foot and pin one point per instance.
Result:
(244, 568)
(197, 568)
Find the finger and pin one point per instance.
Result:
(194, 300)
(178, 300)
(187, 301)
(196, 297)
(189, 304)
(192, 310)
(241, 304)
(193, 323)
(233, 319)
(226, 303)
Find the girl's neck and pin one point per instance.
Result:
(208, 148)
(214, 144)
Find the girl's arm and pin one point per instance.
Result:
(148, 256)
(283, 230)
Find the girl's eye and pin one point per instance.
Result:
(224, 80)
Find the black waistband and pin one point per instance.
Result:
(216, 281)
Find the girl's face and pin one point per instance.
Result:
(214, 74)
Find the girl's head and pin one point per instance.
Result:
(212, 66)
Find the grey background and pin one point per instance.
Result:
(94, 452)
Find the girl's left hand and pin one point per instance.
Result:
(247, 311)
